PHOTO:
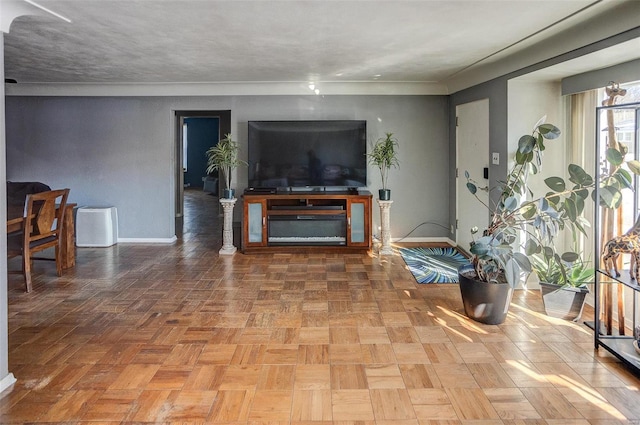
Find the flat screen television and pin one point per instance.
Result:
(307, 154)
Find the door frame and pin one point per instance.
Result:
(224, 117)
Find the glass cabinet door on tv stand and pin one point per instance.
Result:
(256, 222)
(616, 312)
(357, 229)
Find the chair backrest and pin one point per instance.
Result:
(17, 191)
(44, 213)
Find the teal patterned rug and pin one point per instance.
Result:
(434, 265)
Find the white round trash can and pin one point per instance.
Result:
(96, 226)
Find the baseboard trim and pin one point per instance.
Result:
(148, 240)
(425, 240)
(7, 381)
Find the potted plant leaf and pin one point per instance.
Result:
(224, 158)
(384, 155)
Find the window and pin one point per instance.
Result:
(185, 149)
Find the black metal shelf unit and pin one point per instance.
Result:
(620, 345)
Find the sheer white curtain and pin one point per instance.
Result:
(581, 146)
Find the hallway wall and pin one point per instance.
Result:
(202, 133)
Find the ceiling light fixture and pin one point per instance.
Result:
(312, 86)
(39, 6)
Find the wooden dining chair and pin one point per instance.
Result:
(41, 229)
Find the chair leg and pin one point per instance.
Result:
(58, 260)
(26, 270)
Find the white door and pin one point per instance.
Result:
(472, 147)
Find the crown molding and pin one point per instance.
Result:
(225, 89)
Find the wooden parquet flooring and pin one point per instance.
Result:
(175, 334)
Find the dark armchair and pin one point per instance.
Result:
(17, 191)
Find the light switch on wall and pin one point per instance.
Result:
(495, 158)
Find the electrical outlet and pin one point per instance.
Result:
(495, 158)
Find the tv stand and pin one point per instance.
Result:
(309, 219)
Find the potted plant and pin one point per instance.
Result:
(384, 155)
(498, 261)
(522, 225)
(563, 282)
(224, 157)
(564, 278)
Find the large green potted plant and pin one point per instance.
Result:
(498, 262)
(224, 158)
(522, 224)
(384, 155)
(564, 277)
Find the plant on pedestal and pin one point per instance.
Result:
(384, 155)
(224, 157)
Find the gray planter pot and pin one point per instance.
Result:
(563, 302)
(228, 193)
(484, 302)
(384, 194)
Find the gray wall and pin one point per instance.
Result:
(108, 151)
(624, 72)
(120, 151)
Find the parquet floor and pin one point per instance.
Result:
(175, 334)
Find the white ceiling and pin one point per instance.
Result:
(189, 41)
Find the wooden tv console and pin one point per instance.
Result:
(311, 219)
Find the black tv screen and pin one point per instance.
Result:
(294, 154)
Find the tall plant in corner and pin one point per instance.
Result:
(224, 158)
(384, 155)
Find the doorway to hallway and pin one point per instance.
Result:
(190, 161)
